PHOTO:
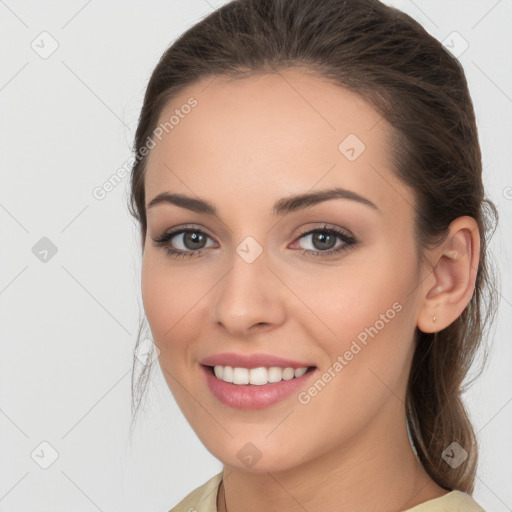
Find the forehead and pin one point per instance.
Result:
(269, 135)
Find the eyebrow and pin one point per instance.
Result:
(281, 207)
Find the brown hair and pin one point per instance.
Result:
(392, 62)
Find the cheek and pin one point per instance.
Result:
(168, 300)
(365, 313)
(367, 360)
(154, 296)
(341, 302)
(165, 298)
(176, 304)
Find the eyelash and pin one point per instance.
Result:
(349, 242)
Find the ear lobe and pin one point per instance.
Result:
(452, 283)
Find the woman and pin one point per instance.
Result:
(308, 187)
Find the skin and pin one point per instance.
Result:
(245, 145)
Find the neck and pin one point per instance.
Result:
(367, 473)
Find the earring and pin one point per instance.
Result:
(434, 319)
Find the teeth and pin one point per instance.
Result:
(299, 372)
(240, 376)
(256, 376)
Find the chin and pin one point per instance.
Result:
(256, 457)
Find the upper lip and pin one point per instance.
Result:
(251, 361)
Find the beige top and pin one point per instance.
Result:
(204, 499)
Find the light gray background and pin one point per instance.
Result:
(69, 325)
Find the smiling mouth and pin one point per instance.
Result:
(257, 376)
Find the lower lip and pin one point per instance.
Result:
(250, 396)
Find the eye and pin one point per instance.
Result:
(324, 239)
(192, 241)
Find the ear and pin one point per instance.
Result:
(450, 284)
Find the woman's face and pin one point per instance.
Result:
(258, 281)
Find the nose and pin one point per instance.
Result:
(249, 298)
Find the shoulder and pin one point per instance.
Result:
(454, 501)
(201, 499)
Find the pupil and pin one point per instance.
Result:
(193, 237)
(322, 240)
